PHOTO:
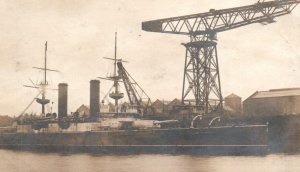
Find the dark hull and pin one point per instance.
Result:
(217, 140)
(140, 149)
(283, 132)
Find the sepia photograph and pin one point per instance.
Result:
(161, 85)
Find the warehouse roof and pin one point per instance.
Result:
(285, 92)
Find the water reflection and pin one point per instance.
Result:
(15, 161)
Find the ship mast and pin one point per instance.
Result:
(116, 95)
(42, 87)
(135, 93)
(45, 65)
(44, 101)
(115, 66)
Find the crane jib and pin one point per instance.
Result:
(221, 20)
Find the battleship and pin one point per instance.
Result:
(124, 131)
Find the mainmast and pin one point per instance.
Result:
(45, 65)
(116, 95)
(115, 66)
(135, 93)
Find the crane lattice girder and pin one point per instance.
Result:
(135, 93)
(133, 99)
(221, 20)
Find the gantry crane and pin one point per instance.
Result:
(201, 68)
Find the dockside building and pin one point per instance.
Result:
(273, 102)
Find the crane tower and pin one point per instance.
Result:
(201, 79)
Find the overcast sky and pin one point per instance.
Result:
(81, 32)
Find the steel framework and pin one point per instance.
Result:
(136, 95)
(201, 69)
(201, 76)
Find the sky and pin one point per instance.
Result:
(81, 32)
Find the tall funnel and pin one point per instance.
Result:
(62, 100)
(94, 98)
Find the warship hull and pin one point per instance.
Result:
(283, 132)
(248, 139)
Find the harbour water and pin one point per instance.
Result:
(23, 161)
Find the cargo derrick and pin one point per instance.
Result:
(136, 95)
(201, 69)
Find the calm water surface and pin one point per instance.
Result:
(15, 161)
